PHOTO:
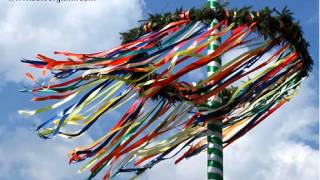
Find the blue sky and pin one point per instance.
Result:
(283, 147)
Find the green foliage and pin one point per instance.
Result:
(270, 24)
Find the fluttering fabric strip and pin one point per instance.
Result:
(166, 116)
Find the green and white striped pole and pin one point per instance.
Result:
(214, 129)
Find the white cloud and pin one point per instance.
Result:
(279, 160)
(25, 156)
(296, 162)
(191, 169)
(28, 28)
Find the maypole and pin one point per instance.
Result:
(146, 69)
(214, 128)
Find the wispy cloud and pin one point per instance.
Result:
(25, 156)
(42, 27)
(28, 28)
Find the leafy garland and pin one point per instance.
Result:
(269, 26)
